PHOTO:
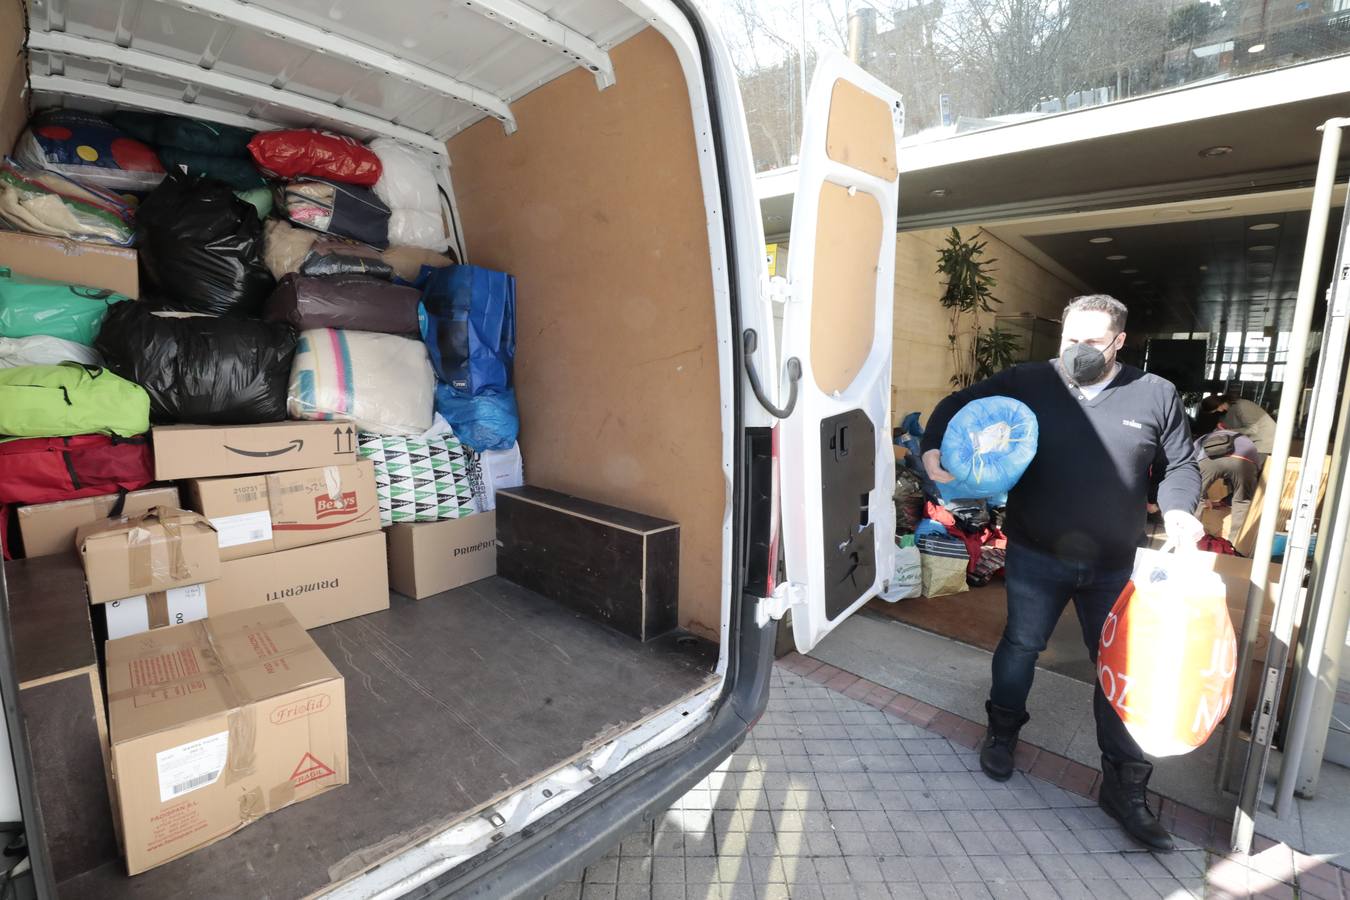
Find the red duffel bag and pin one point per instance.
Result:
(44, 470)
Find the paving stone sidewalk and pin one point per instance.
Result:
(831, 797)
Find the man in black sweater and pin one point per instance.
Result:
(1074, 521)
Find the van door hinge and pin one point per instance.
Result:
(785, 596)
(778, 289)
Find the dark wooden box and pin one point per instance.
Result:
(61, 701)
(621, 568)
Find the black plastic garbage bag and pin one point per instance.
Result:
(201, 247)
(201, 369)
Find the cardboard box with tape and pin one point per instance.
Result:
(217, 723)
(48, 528)
(142, 554)
(320, 583)
(206, 451)
(255, 514)
(427, 558)
(58, 259)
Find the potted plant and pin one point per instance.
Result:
(976, 352)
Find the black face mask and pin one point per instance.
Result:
(1084, 363)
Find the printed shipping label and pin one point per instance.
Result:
(190, 766)
(245, 528)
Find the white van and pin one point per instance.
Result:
(597, 150)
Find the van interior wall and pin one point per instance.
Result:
(922, 366)
(595, 205)
(13, 72)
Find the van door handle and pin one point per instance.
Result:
(794, 373)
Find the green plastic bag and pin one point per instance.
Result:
(70, 399)
(30, 306)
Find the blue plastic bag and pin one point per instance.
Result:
(488, 421)
(468, 322)
(988, 445)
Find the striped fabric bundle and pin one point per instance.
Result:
(382, 382)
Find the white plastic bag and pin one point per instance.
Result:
(907, 581)
(382, 382)
(408, 187)
(41, 350)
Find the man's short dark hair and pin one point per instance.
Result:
(1213, 402)
(1100, 303)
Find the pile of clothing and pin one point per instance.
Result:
(286, 274)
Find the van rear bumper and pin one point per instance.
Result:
(531, 862)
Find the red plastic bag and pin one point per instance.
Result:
(44, 470)
(1168, 654)
(321, 154)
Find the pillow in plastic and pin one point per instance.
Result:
(988, 445)
(42, 202)
(41, 350)
(82, 145)
(382, 382)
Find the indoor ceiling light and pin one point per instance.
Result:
(1260, 248)
(1139, 282)
(1216, 151)
(1116, 257)
(938, 192)
(1263, 226)
(1204, 268)
(1100, 239)
(1256, 48)
(1129, 271)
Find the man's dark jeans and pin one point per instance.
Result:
(1039, 587)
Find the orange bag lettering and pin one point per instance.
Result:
(1168, 653)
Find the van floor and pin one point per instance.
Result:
(452, 702)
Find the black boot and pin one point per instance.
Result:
(1000, 740)
(1124, 797)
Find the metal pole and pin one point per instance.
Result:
(1295, 560)
(1295, 359)
(1328, 586)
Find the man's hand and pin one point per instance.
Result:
(1183, 529)
(932, 464)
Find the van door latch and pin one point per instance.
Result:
(786, 595)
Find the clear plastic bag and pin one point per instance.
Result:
(382, 382)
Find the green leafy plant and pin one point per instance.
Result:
(969, 291)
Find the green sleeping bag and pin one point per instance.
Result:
(30, 306)
(70, 399)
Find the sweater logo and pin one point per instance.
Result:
(1131, 422)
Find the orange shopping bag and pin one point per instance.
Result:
(1168, 653)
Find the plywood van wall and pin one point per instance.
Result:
(13, 73)
(595, 206)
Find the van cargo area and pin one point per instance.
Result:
(570, 159)
(453, 702)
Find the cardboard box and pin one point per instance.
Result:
(76, 262)
(426, 558)
(321, 583)
(134, 615)
(256, 514)
(216, 723)
(49, 528)
(142, 554)
(205, 451)
(61, 703)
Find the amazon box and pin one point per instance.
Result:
(147, 553)
(49, 528)
(216, 723)
(255, 514)
(321, 583)
(205, 451)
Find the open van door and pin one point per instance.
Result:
(837, 466)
